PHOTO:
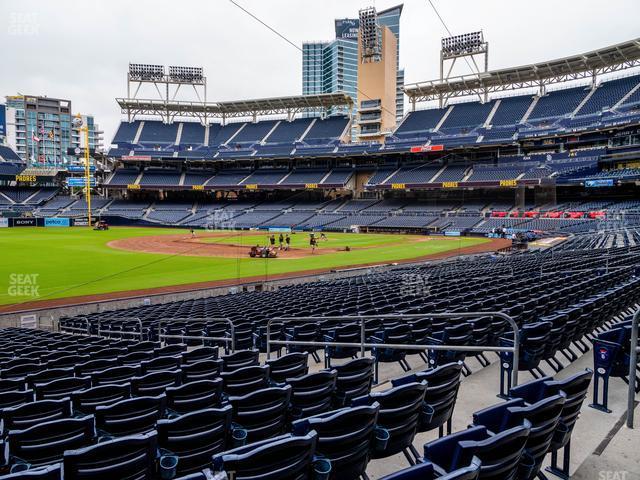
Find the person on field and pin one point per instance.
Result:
(272, 240)
(281, 241)
(193, 233)
(323, 237)
(288, 241)
(313, 243)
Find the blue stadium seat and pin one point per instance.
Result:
(128, 457)
(400, 414)
(500, 455)
(346, 437)
(543, 415)
(194, 396)
(45, 443)
(86, 401)
(291, 365)
(131, 416)
(312, 393)
(284, 457)
(440, 398)
(52, 472)
(195, 437)
(427, 471)
(262, 413)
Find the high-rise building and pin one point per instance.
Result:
(333, 66)
(41, 131)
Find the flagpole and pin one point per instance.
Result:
(33, 148)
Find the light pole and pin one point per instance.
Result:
(77, 122)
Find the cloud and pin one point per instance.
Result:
(80, 50)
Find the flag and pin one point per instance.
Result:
(34, 138)
(51, 134)
(41, 130)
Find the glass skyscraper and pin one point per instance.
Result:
(332, 66)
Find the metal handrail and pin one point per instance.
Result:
(363, 344)
(232, 329)
(126, 319)
(633, 362)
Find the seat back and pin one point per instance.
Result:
(87, 401)
(15, 398)
(199, 354)
(346, 437)
(312, 393)
(400, 413)
(195, 396)
(48, 375)
(45, 443)
(426, 471)
(131, 416)
(354, 379)
(133, 458)
(201, 370)
(117, 375)
(285, 457)
(155, 383)
(440, 398)
(52, 472)
(292, 365)
(63, 387)
(263, 413)
(240, 359)
(161, 363)
(29, 414)
(196, 437)
(245, 380)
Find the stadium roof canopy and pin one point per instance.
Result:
(242, 108)
(591, 64)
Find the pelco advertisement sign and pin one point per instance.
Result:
(57, 222)
(4, 222)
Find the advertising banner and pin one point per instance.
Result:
(4, 222)
(3, 121)
(347, 28)
(81, 222)
(57, 222)
(24, 222)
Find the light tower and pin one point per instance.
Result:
(467, 46)
(78, 123)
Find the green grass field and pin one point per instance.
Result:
(74, 262)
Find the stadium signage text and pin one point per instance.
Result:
(508, 183)
(57, 222)
(24, 222)
(311, 186)
(133, 186)
(449, 184)
(251, 186)
(427, 148)
(26, 178)
(4, 222)
(197, 187)
(398, 186)
(137, 157)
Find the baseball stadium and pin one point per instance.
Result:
(380, 277)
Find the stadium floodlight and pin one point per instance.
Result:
(146, 72)
(186, 74)
(370, 35)
(466, 44)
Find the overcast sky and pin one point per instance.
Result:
(80, 50)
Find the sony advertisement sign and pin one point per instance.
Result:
(347, 28)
